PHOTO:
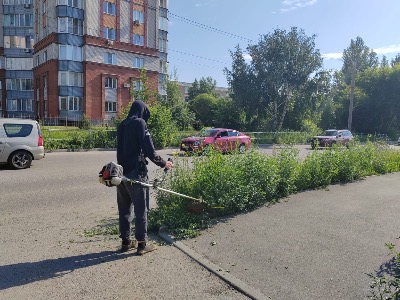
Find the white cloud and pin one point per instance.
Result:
(332, 56)
(393, 49)
(247, 57)
(294, 4)
(388, 50)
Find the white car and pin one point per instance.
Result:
(21, 142)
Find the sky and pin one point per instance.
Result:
(201, 33)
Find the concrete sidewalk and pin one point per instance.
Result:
(314, 245)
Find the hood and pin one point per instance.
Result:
(139, 110)
(325, 137)
(191, 139)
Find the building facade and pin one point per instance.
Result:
(89, 54)
(16, 48)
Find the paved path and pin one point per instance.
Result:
(314, 245)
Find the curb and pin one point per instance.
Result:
(237, 284)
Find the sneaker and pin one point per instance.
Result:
(128, 245)
(144, 247)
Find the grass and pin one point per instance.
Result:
(242, 182)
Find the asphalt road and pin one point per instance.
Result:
(314, 245)
(45, 254)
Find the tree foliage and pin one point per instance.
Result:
(205, 107)
(181, 114)
(203, 86)
(281, 64)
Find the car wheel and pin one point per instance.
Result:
(242, 148)
(313, 146)
(20, 160)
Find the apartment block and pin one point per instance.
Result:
(16, 48)
(89, 54)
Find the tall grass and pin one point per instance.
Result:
(229, 184)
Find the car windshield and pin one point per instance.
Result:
(330, 133)
(208, 132)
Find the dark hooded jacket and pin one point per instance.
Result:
(133, 139)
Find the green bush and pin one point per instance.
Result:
(229, 184)
(161, 125)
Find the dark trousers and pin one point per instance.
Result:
(137, 197)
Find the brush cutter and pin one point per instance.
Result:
(112, 175)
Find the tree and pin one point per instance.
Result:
(357, 57)
(282, 62)
(143, 92)
(204, 86)
(395, 60)
(243, 92)
(205, 107)
(384, 62)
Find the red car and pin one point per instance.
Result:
(221, 139)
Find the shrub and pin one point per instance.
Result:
(229, 184)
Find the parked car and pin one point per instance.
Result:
(332, 137)
(220, 139)
(21, 142)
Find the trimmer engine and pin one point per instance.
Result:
(111, 174)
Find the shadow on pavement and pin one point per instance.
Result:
(25, 273)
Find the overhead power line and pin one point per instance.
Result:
(206, 27)
(210, 59)
(194, 63)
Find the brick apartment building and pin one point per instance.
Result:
(89, 53)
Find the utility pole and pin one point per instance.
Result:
(352, 87)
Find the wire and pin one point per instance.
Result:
(194, 63)
(194, 23)
(218, 61)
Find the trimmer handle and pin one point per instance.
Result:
(165, 169)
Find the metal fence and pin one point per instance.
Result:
(73, 121)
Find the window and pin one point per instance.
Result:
(163, 3)
(70, 25)
(110, 106)
(109, 8)
(17, 41)
(233, 133)
(163, 67)
(138, 16)
(111, 83)
(19, 63)
(69, 52)
(138, 62)
(137, 85)
(70, 103)
(18, 20)
(66, 78)
(16, 2)
(18, 130)
(110, 58)
(45, 56)
(73, 3)
(109, 33)
(138, 39)
(164, 23)
(20, 104)
(37, 59)
(19, 84)
(162, 45)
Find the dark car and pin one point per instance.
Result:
(332, 137)
(220, 139)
